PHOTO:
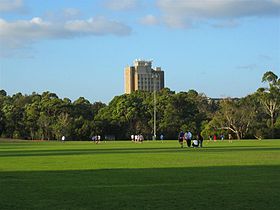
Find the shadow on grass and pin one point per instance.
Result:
(238, 187)
(96, 151)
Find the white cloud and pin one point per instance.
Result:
(247, 67)
(149, 20)
(97, 26)
(122, 4)
(22, 33)
(265, 57)
(179, 13)
(11, 5)
(226, 24)
(69, 13)
(62, 15)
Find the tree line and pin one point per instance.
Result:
(46, 116)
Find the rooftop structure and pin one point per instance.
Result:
(141, 76)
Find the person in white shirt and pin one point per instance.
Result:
(188, 138)
(195, 143)
(141, 138)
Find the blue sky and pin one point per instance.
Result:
(80, 48)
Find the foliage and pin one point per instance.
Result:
(270, 98)
(234, 116)
(46, 116)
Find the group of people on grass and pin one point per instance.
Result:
(215, 137)
(188, 138)
(221, 137)
(137, 138)
(96, 139)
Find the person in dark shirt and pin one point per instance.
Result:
(181, 138)
(200, 139)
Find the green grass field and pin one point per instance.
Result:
(152, 175)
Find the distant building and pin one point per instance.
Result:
(142, 76)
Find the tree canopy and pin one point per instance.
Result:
(48, 117)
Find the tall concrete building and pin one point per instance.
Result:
(142, 76)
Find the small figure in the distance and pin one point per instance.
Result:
(195, 143)
(161, 137)
(200, 139)
(181, 138)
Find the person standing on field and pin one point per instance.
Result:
(181, 138)
(161, 137)
(63, 138)
(186, 137)
(229, 138)
(200, 139)
(189, 138)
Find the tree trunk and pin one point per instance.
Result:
(272, 126)
(238, 135)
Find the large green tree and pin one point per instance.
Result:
(270, 97)
(46, 116)
(234, 116)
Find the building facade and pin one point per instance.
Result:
(143, 77)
